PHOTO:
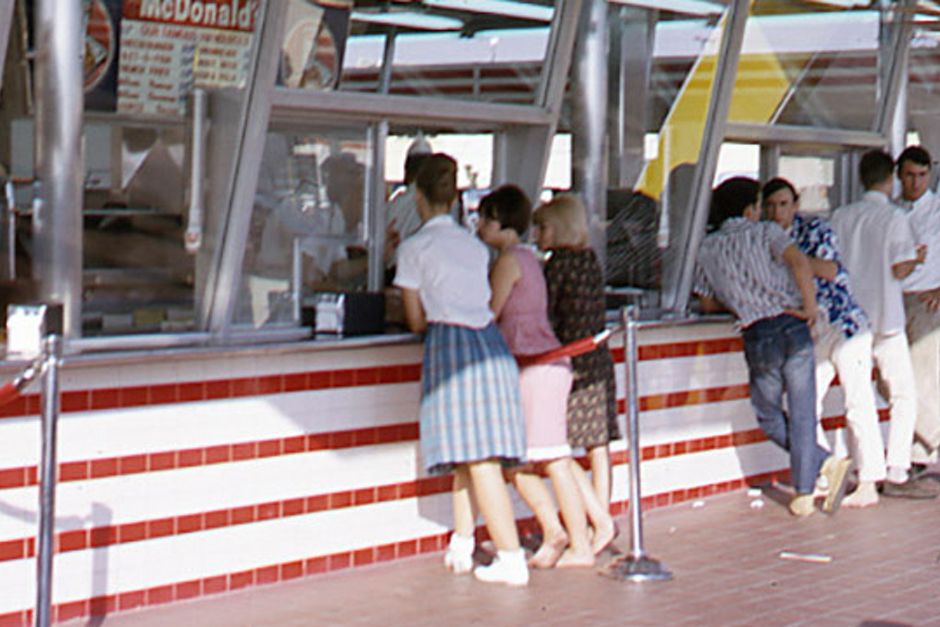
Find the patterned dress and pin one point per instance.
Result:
(576, 308)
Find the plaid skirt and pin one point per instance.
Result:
(470, 404)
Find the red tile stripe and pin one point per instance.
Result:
(671, 350)
(81, 539)
(82, 470)
(216, 389)
(224, 453)
(277, 573)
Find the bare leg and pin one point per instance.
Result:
(865, 495)
(554, 539)
(600, 473)
(493, 501)
(578, 553)
(599, 515)
(465, 514)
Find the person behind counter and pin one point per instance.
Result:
(402, 219)
(576, 309)
(755, 270)
(520, 303)
(471, 415)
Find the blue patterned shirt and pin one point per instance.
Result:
(815, 238)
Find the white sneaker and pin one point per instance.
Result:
(459, 555)
(508, 567)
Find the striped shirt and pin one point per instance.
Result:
(742, 266)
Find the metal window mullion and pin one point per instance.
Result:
(295, 104)
(57, 209)
(554, 77)
(895, 74)
(784, 134)
(388, 61)
(225, 272)
(589, 120)
(376, 206)
(716, 118)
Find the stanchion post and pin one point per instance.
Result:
(637, 565)
(52, 352)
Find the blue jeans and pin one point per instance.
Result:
(779, 353)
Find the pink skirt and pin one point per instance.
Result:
(545, 407)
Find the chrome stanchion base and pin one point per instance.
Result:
(630, 568)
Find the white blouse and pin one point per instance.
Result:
(449, 268)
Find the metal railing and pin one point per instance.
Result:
(637, 565)
(47, 365)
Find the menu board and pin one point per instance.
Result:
(168, 47)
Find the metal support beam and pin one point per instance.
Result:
(6, 25)
(238, 174)
(769, 162)
(57, 213)
(388, 61)
(589, 120)
(676, 297)
(375, 206)
(632, 33)
(893, 75)
(534, 138)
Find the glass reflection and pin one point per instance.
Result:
(308, 225)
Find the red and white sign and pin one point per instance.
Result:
(170, 46)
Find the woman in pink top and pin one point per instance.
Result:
(520, 303)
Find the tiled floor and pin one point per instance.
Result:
(885, 570)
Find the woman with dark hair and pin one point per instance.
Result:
(520, 304)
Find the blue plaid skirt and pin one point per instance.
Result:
(470, 405)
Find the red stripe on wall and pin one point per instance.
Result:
(242, 451)
(216, 389)
(81, 539)
(276, 573)
(671, 350)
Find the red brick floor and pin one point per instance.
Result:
(885, 570)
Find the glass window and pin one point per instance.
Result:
(308, 230)
(644, 219)
(810, 65)
(814, 178)
(486, 50)
(141, 62)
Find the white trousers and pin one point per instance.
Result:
(923, 333)
(851, 358)
(893, 358)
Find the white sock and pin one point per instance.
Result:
(896, 475)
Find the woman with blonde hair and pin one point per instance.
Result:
(519, 303)
(576, 309)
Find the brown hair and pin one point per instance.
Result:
(568, 217)
(437, 179)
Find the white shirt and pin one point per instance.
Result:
(449, 267)
(875, 235)
(924, 216)
(403, 210)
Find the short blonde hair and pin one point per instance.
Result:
(568, 217)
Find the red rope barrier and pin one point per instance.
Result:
(572, 349)
(8, 393)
